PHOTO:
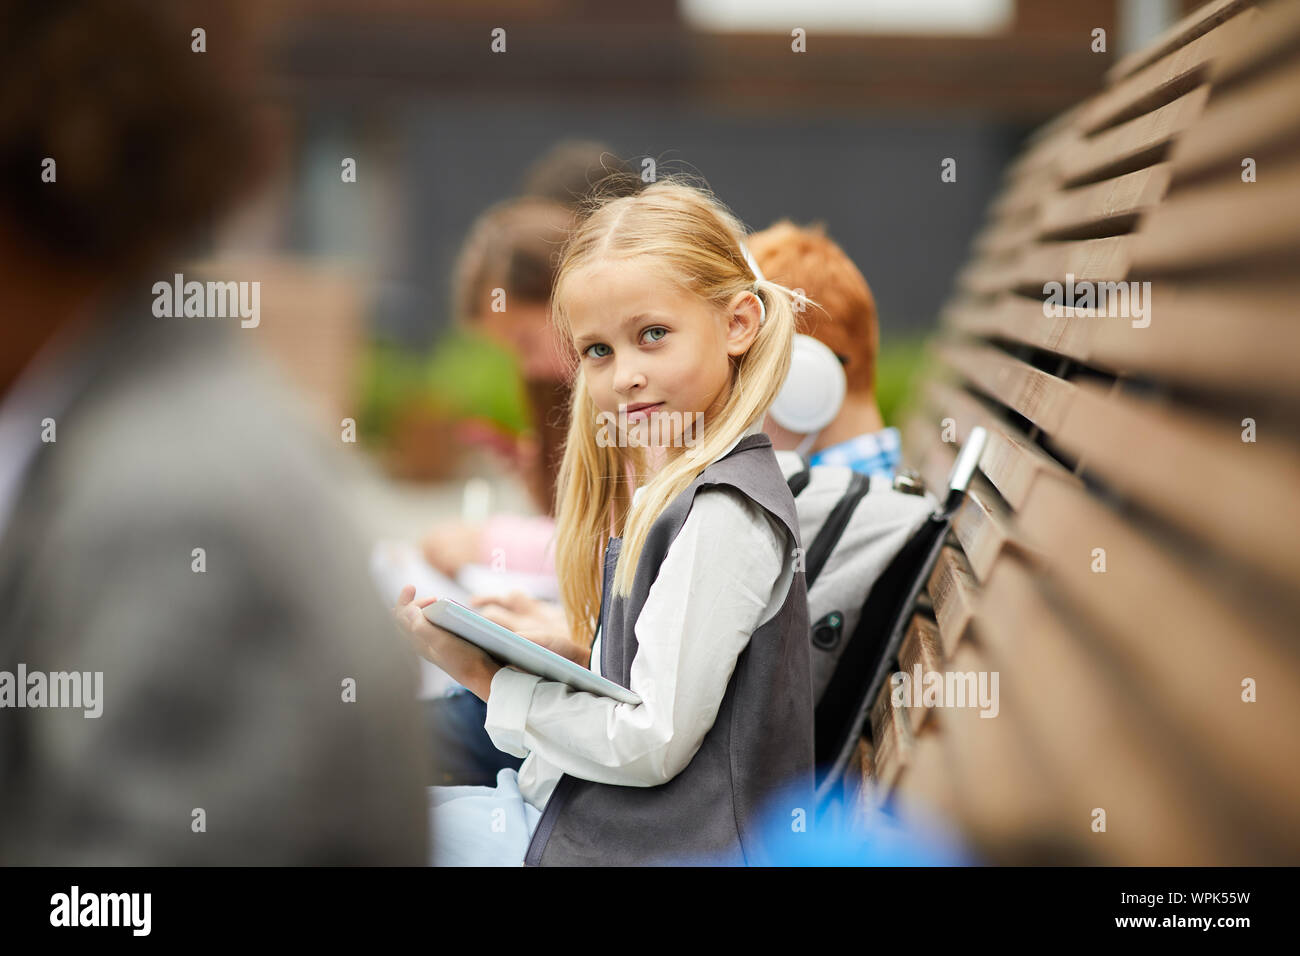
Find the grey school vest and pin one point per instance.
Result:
(760, 744)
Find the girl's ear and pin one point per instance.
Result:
(744, 315)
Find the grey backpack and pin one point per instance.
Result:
(897, 545)
(851, 527)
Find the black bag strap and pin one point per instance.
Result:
(832, 528)
(872, 651)
(845, 704)
(799, 480)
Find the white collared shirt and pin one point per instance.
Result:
(725, 575)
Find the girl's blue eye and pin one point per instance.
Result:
(657, 328)
(598, 345)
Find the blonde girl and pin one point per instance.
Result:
(678, 567)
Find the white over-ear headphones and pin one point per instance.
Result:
(815, 386)
(813, 392)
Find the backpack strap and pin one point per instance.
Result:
(864, 663)
(833, 527)
(799, 480)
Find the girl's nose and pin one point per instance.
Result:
(627, 378)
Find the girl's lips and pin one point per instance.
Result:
(642, 411)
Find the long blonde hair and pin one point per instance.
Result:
(697, 240)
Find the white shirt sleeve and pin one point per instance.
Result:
(725, 575)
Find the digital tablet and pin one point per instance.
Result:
(507, 646)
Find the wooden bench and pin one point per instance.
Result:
(1121, 690)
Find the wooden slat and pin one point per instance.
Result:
(1178, 637)
(936, 465)
(858, 784)
(1251, 221)
(998, 225)
(1248, 120)
(1163, 81)
(942, 401)
(1057, 124)
(1271, 36)
(1031, 267)
(1222, 335)
(1005, 239)
(1195, 24)
(1092, 260)
(965, 274)
(982, 527)
(1010, 461)
(1023, 194)
(916, 433)
(1237, 336)
(1013, 464)
(923, 647)
(1197, 474)
(1103, 208)
(1038, 396)
(923, 450)
(980, 316)
(891, 737)
(987, 278)
(1104, 745)
(1005, 801)
(924, 791)
(1132, 145)
(1020, 319)
(954, 593)
(1042, 159)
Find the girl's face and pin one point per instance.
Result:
(643, 341)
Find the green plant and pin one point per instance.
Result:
(897, 365)
(464, 377)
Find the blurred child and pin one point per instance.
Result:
(502, 287)
(840, 313)
(693, 599)
(837, 309)
(503, 280)
(568, 171)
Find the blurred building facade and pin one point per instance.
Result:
(852, 131)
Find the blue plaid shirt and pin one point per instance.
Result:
(872, 453)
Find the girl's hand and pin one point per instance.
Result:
(540, 621)
(458, 657)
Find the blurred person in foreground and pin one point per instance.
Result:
(165, 520)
